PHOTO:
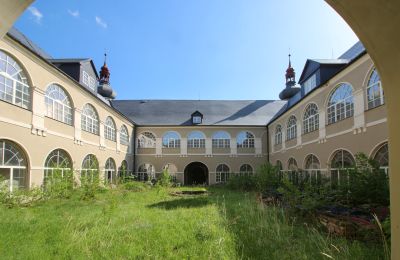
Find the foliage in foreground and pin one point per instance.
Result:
(118, 224)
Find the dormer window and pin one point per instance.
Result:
(197, 118)
(310, 84)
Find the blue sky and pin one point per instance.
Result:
(190, 49)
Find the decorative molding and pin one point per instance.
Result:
(16, 123)
(38, 131)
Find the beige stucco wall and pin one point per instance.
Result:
(363, 132)
(233, 157)
(38, 135)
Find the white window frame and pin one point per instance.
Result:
(247, 142)
(196, 142)
(278, 135)
(123, 135)
(221, 142)
(341, 109)
(222, 173)
(90, 121)
(110, 129)
(171, 142)
(376, 101)
(18, 92)
(57, 109)
(310, 83)
(246, 170)
(146, 140)
(291, 129)
(197, 120)
(311, 121)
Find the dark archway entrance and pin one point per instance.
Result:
(196, 173)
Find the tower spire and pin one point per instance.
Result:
(290, 90)
(104, 72)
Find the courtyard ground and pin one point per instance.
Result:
(152, 224)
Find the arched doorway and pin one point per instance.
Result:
(196, 173)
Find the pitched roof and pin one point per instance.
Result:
(215, 112)
(21, 38)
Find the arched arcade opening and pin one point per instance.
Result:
(196, 173)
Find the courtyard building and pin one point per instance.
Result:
(61, 114)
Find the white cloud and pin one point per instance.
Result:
(100, 22)
(36, 14)
(74, 13)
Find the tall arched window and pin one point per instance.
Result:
(278, 134)
(222, 173)
(246, 170)
(146, 140)
(342, 159)
(311, 119)
(196, 139)
(124, 135)
(340, 105)
(146, 172)
(90, 166)
(90, 120)
(109, 129)
(123, 169)
(14, 87)
(221, 139)
(292, 164)
(13, 166)
(279, 165)
(245, 140)
(312, 163)
(374, 90)
(58, 104)
(382, 156)
(291, 128)
(171, 140)
(59, 161)
(110, 171)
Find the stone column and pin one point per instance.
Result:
(158, 146)
(118, 144)
(258, 145)
(208, 146)
(233, 146)
(183, 146)
(322, 128)
(101, 135)
(359, 108)
(77, 126)
(299, 132)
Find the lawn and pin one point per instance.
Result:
(152, 224)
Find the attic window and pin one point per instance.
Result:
(197, 118)
(310, 84)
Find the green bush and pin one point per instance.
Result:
(59, 184)
(135, 186)
(242, 183)
(165, 179)
(90, 184)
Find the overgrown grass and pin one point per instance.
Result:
(121, 224)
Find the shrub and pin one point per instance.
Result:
(165, 179)
(90, 184)
(135, 186)
(243, 183)
(267, 178)
(60, 184)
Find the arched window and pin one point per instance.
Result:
(171, 140)
(221, 139)
(311, 119)
(90, 166)
(340, 105)
(222, 173)
(146, 140)
(146, 172)
(109, 129)
(57, 161)
(123, 169)
(14, 86)
(312, 163)
(172, 170)
(382, 156)
(278, 134)
(279, 165)
(196, 139)
(292, 164)
(245, 140)
(342, 159)
(291, 129)
(246, 170)
(124, 135)
(90, 120)
(13, 166)
(110, 171)
(58, 104)
(374, 90)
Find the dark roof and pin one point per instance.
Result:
(69, 60)
(351, 55)
(215, 112)
(21, 38)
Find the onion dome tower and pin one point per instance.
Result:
(104, 87)
(291, 88)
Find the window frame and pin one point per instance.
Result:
(148, 135)
(278, 134)
(310, 121)
(90, 122)
(248, 142)
(110, 131)
(55, 104)
(222, 172)
(291, 128)
(219, 142)
(171, 142)
(340, 106)
(124, 135)
(378, 83)
(196, 142)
